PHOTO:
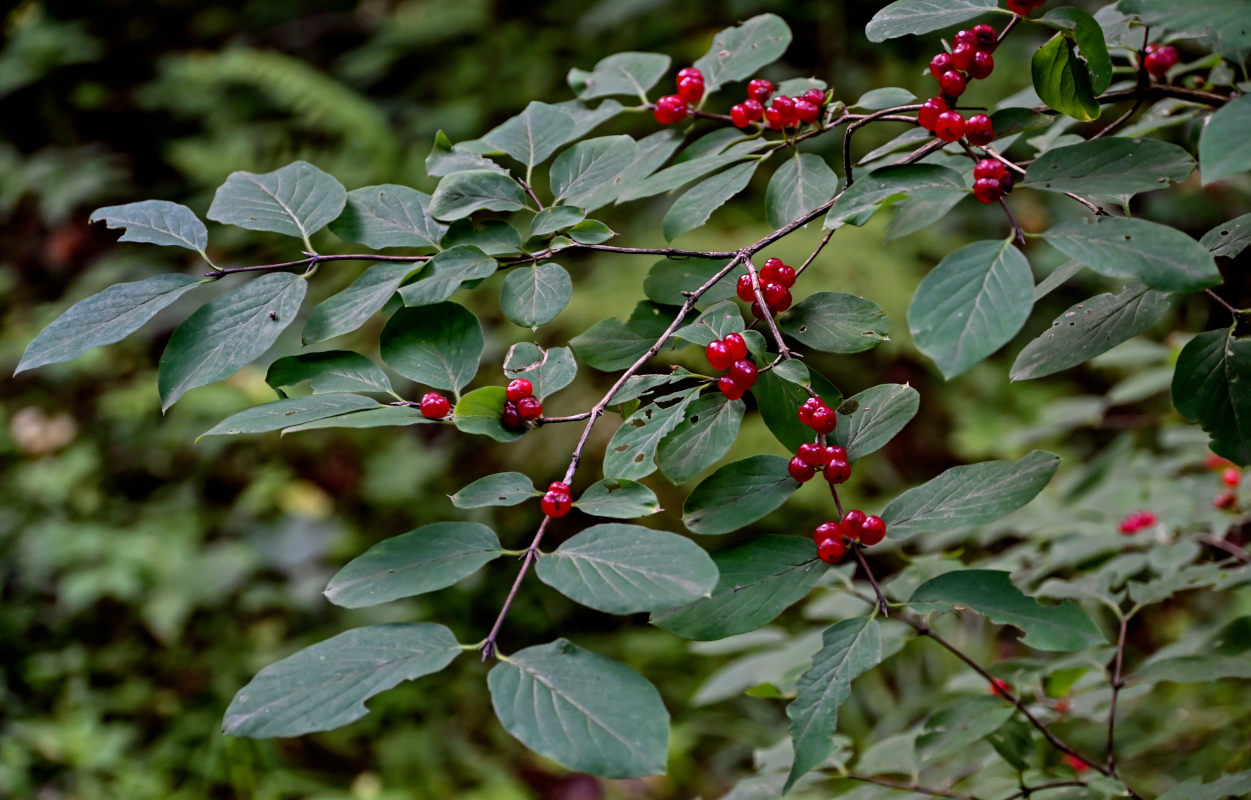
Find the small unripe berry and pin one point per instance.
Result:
(434, 405)
(729, 388)
(759, 89)
(736, 345)
(983, 64)
(872, 531)
(691, 90)
(831, 551)
(556, 504)
(801, 470)
(826, 530)
(950, 126)
(853, 523)
(744, 289)
(953, 83)
(518, 388)
(811, 453)
(987, 190)
(738, 115)
(718, 355)
(670, 109)
(529, 408)
(744, 373)
(962, 56)
(837, 471)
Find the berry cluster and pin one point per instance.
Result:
(1024, 7)
(522, 406)
(674, 107)
(1137, 520)
(434, 405)
(776, 280)
(1159, 59)
(991, 180)
(783, 112)
(731, 353)
(970, 58)
(556, 502)
(831, 460)
(832, 537)
(817, 415)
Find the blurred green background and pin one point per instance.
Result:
(146, 577)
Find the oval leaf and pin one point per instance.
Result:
(446, 273)
(835, 322)
(696, 204)
(881, 412)
(798, 187)
(479, 412)
(349, 309)
(290, 411)
(502, 489)
(533, 296)
(620, 73)
(438, 345)
(618, 499)
(388, 216)
(582, 176)
(548, 371)
(737, 52)
(1224, 148)
(905, 17)
(702, 438)
(1062, 80)
(329, 371)
(533, 135)
(155, 222)
(1113, 167)
(296, 200)
(1161, 257)
(1210, 386)
(631, 452)
(738, 494)
(460, 194)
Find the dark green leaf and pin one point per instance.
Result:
(760, 578)
(905, 17)
(798, 187)
(104, 318)
(960, 724)
(1195, 669)
(611, 344)
(672, 177)
(549, 370)
(429, 558)
(1089, 328)
(290, 411)
(587, 119)
(738, 494)
(618, 499)
(584, 711)
(653, 150)
(227, 333)
(835, 322)
(479, 412)
(623, 569)
(924, 193)
(779, 401)
(531, 136)
(329, 371)
(1014, 742)
(350, 308)
(1091, 46)
(387, 416)
(668, 279)
(696, 204)
(714, 324)
(492, 236)
(1221, 25)
(886, 97)
(591, 231)
(971, 304)
(849, 649)
(631, 452)
(881, 412)
(1229, 238)
(1162, 257)
(438, 345)
(620, 73)
(445, 273)
(296, 200)
(969, 495)
(446, 158)
(1062, 80)
(1210, 387)
(460, 194)
(555, 218)
(156, 222)
(738, 52)
(533, 296)
(388, 216)
(582, 176)
(325, 686)
(1112, 167)
(1224, 149)
(992, 594)
(700, 440)
(501, 489)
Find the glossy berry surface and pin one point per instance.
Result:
(953, 83)
(801, 470)
(718, 355)
(989, 168)
(949, 126)
(814, 96)
(927, 116)
(510, 418)
(775, 118)
(529, 408)
(691, 73)
(806, 409)
(691, 90)
(759, 89)
(777, 296)
(670, 109)
(811, 453)
(833, 453)
(757, 311)
(939, 64)
(754, 109)
(518, 389)
(559, 486)
(744, 373)
(982, 65)
(872, 531)
(987, 190)
(1000, 688)
(736, 344)
(556, 504)
(1136, 521)
(837, 471)
(1160, 60)
(853, 523)
(729, 388)
(831, 551)
(824, 419)
(434, 405)
(962, 56)
(985, 38)
(826, 530)
(965, 36)
(1231, 477)
(738, 115)
(807, 111)
(744, 290)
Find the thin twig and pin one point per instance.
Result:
(1221, 301)
(824, 241)
(1117, 683)
(858, 124)
(868, 573)
(570, 418)
(314, 260)
(1042, 787)
(530, 191)
(532, 552)
(907, 787)
(1229, 547)
(1016, 226)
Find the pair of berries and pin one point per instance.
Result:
(434, 405)
(831, 460)
(1136, 521)
(557, 501)
(817, 415)
(1024, 7)
(674, 107)
(776, 280)
(832, 537)
(522, 406)
(731, 353)
(991, 180)
(1159, 59)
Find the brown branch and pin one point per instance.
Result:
(314, 260)
(1117, 683)
(1229, 547)
(868, 573)
(861, 122)
(824, 241)
(907, 787)
(1042, 787)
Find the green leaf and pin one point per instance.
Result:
(881, 412)
(586, 712)
(438, 345)
(905, 17)
(618, 499)
(992, 594)
(799, 186)
(779, 401)
(971, 304)
(702, 438)
(446, 158)
(446, 273)
(227, 333)
(290, 411)
(555, 218)
(760, 578)
(494, 237)
(1224, 149)
(104, 318)
(969, 495)
(533, 296)
(531, 136)
(1210, 387)
(1221, 25)
(886, 97)
(1229, 238)
(923, 194)
(587, 119)
(960, 724)
(155, 222)
(1088, 36)
(582, 176)
(611, 344)
(668, 279)
(834, 322)
(849, 649)
(631, 451)
(1062, 80)
(479, 412)
(1089, 328)
(387, 416)
(429, 558)
(325, 686)
(460, 194)
(738, 494)
(672, 177)
(1162, 257)
(623, 569)
(1195, 669)
(501, 489)
(549, 370)
(714, 324)
(591, 231)
(388, 216)
(1113, 167)
(329, 371)
(738, 52)
(653, 150)
(296, 200)
(349, 309)
(696, 204)
(621, 73)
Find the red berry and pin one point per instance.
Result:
(800, 470)
(718, 355)
(1226, 500)
(872, 531)
(826, 530)
(559, 486)
(837, 471)
(777, 296)
(745, 291)
(775, 118)
(962, 56)
(853, 522)
(998, 686)
(757, 311)
(806, 110)
(953, 83)
(1231, 477)
(754, 109)
(1006, 182)
(965, 36)
(1160, 60)
(519, 388)
(511, 418)
(529, 408)
(670, 109)
(786, 107)
(759, 89)
(989, 168)
(738, 115)
(1022, 7)
(833, 453)
(689, 72)
(785, 275)
(434, 405)
(556, 504)
(987, 190)
(729, 388)
(691, 90)
(744, 373)
(769, 268)
(824, 419)
(927, 117)
(811, 453)
(736, 345)
(950, 126)
(983, 64)
(1075, 763)
(987, 39)
(815, 96)
(831, 551)
(940, 64)
(805, 410)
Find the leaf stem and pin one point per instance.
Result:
(868, 573)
